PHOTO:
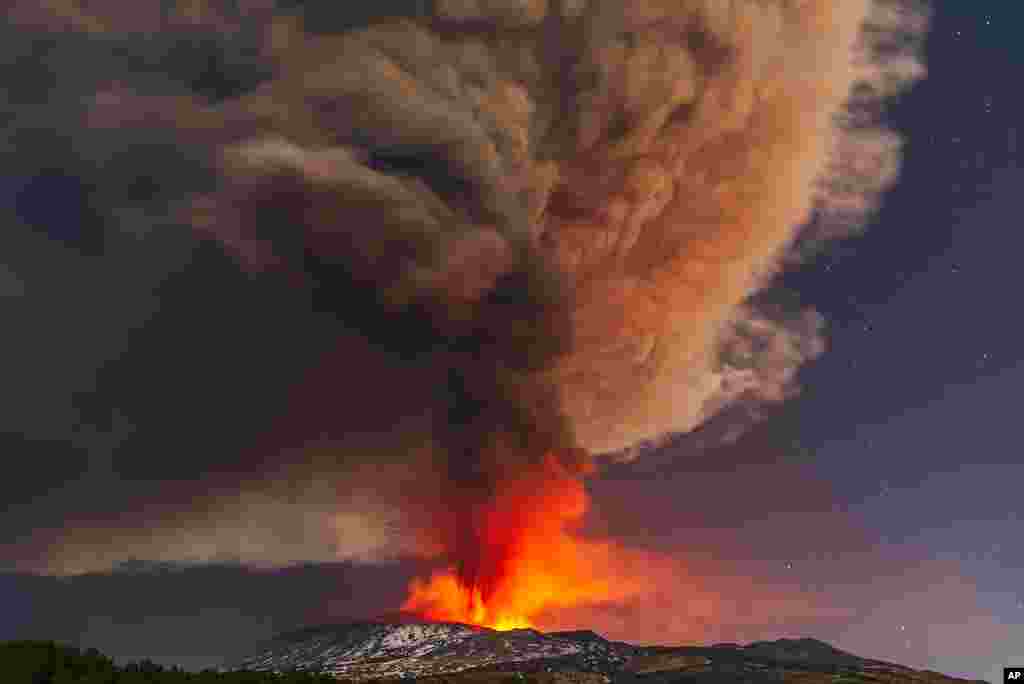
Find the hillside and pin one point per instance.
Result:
(450, 653)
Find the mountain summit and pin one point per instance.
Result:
(456, 653)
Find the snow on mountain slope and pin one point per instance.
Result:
(377, 650)
(371, 650)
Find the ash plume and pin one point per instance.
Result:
(535, 228)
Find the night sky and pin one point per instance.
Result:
(890, 487)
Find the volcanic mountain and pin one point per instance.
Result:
(455, 653)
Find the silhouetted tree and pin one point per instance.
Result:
(47, 662)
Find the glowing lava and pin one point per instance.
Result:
(517, 557)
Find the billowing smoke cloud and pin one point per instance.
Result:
(537, 227)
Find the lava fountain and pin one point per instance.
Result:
(519, 555)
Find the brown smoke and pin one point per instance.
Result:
(581, 204)
(541, 224)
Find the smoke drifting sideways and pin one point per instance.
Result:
(543, 228)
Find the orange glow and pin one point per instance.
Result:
(522, 558)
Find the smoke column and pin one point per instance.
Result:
(547, 232)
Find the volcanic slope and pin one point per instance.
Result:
(453, 653)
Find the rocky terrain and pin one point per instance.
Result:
(451, 653)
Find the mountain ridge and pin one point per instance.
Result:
(457, 653)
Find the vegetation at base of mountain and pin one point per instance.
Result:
(48, 662)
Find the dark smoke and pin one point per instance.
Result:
(533, 227)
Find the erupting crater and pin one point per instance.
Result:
(520, 555)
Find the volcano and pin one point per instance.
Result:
(456, 653)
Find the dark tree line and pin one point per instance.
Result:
(47, 662)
